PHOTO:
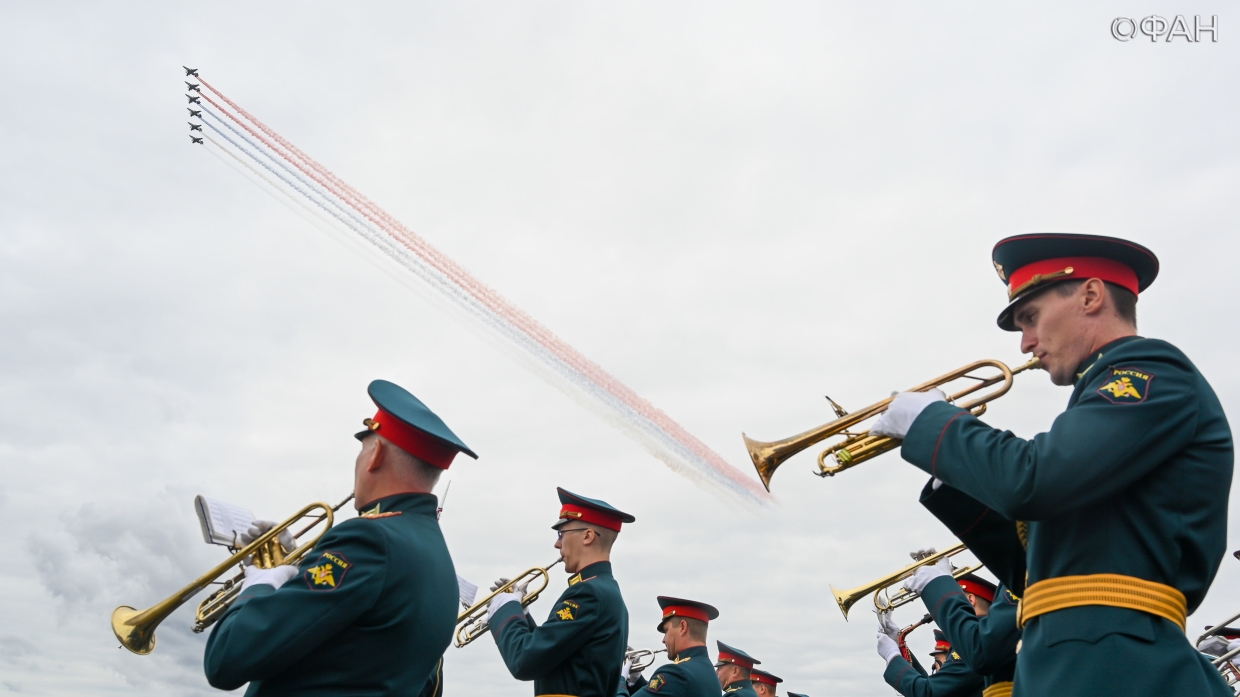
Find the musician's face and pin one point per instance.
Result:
(939, 660)
(1055, 329)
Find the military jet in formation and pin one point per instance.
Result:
(195, 114)
(190, 71)
(195, 127)
(196, 140)
(192, 99)
(192, 87)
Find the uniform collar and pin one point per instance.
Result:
(1094, 358)
(405, 504)
(598, 568)
(694, 652)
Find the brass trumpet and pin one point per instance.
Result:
(136, 629)
(884, 600)
(472, 623)
(641, 658)
(857, 447)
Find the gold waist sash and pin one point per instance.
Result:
(1113, 590)
(999, 689)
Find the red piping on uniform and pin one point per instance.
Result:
(934, 461)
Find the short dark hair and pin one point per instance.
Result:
(694, 627)
(1124, 299)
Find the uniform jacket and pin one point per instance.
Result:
(580, 649)
(987, 645)
(1133, 478)
(954, 679)
(371, 613)
(692, 674)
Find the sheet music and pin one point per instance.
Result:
(220, 520)
(468, 591)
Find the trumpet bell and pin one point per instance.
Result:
(764, 457)
(137, 637)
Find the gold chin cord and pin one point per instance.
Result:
(885, 599)
(858, 446)
(136, 628)
(472, 622)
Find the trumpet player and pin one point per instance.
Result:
(985, 633)
(1125, 497)
(684, 626)
(951, 677)
(373, 607)
(578, 649)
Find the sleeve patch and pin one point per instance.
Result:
(1126, 386)
(656, 683)
(327, 573)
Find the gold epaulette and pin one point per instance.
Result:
(1111, 590)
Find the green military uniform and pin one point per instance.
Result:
(734, 656)
(689, 675)
(578, 651)
(371, 612)
(373, 606)
(434, 686)
(740, 688)
(987, 645)
(954, 679)
(1125, 497)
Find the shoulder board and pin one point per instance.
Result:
(578, 579)
(387, 515)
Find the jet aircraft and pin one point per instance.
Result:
(190, 71)
(195, 114)
(196, 140)
(192, 99)
(195, 127)
(192, 87)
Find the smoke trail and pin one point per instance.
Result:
(565, 367)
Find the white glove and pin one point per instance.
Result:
(922, 553)
(887, 648)
(1233, 645)
(274, 577)
(499, 601)
(1214, 645)
(518, 590)
(888, 626)
(903, 411)
(934, 486)
(925, 574)
(259, 527)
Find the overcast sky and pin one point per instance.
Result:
(734, 208)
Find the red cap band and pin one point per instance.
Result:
(693, 613)
(417, 443)
(942, 647)
(983, 592)
(763, 678)
(590, 515)
(1076, 268)
(725, 657)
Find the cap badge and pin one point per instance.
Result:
(999, 269)
(371, 424)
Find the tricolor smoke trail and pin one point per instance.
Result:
(263, 153)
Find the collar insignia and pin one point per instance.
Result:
(373, 511)
(575, 580)
(371, 516)
(678, 661)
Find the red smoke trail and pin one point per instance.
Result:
(482, 293)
